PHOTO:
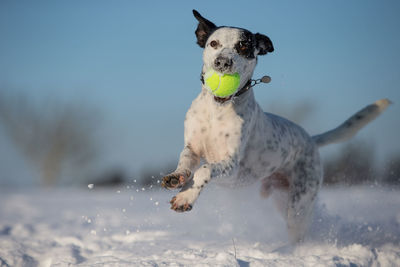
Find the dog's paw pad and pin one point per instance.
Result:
(174, 180)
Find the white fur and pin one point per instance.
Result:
(237, 143)
(227, 38)
(352, 125)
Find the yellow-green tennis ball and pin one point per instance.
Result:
(213, 81)
(222, 85)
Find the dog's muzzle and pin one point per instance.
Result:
(223, 64)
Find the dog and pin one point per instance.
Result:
(233, 141)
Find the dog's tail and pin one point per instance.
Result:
(352, 125)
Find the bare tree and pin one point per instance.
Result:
(354, 164)
(297, 113)
(54, 137)
(391, 172)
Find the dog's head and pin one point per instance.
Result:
(229, 49)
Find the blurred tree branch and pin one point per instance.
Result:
(391, 171)
(354, 164)
(51, 136)
(296, 113)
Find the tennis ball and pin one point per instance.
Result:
(221, 85)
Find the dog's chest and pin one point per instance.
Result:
(213, 131)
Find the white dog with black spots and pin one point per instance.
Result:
(232, 140)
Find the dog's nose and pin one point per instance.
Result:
(222, 63)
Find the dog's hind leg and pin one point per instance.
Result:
(278, 181)
(277, 186)
(304, 186)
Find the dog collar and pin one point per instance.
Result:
(249, 84)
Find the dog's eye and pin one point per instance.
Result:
(214, 44)
(243, 47)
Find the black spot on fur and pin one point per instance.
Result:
(265, 164)
(349, 124)
(284, 153)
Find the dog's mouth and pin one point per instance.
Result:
(243, 90)
(224, 86)
(220, 98)
(223, 99)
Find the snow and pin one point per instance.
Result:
(353, 226)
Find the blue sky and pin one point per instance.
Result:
(137, 62)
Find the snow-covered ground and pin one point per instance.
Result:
(129, 226)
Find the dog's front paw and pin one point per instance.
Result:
(180, 206)
(183, 201)
(175, 180)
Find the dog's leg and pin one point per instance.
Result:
(305, 183)
(185, 199)
(187, 162)
(276, 181)
(277, 186)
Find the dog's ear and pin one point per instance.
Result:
(204, 29)
(264, 44)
